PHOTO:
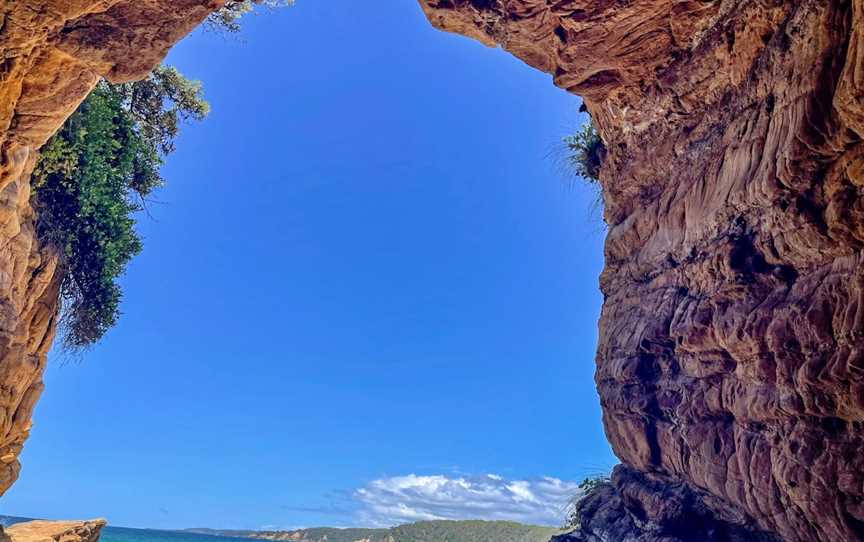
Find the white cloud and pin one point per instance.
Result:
(403, 499)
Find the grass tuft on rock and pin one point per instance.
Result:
(586, 152)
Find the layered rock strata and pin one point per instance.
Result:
(730, 365)
(731, 343)
(52, 53)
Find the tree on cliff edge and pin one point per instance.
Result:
(93, 176)
(97, 172)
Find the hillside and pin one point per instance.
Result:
(424, 531)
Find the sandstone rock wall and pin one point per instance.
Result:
(730, 365)
(52, 52)
(731, 352)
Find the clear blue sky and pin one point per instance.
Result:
(368, 264)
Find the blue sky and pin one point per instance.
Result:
(370, 286)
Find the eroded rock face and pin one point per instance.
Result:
(731, 352)
(730, 365)
(53, 52)
(642, 507)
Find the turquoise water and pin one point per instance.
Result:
(125, 534)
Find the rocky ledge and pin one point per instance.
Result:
(642, 507)
(55, 531)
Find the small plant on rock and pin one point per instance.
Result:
(586, 152)
(587, 487)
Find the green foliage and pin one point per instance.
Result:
(586, 488)
(589, 485)
(228, 17)
(586, 152)
(423, 531)
(91, 179)
(471, 531)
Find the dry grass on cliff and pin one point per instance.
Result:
(578, 158)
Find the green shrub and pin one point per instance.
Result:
(91, 179)
(586, 487)
(586, 152)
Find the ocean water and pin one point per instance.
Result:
(125, 534)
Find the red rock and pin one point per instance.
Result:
(731, 355)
